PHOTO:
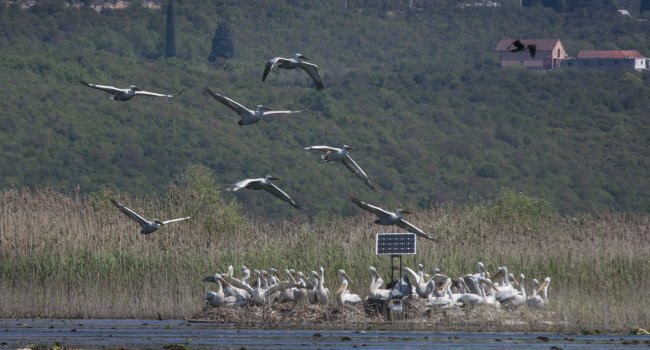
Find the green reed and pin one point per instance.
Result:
(62, 255)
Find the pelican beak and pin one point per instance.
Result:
(210, 279)
(274, 178)
(347, 277)
(406, 212)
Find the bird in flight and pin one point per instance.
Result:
(519, 46)
(146, 225)
(293, 63)
(248, 116)
(119, 94)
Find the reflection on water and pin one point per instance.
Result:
(151, 333)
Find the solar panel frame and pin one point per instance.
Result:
(395, 244)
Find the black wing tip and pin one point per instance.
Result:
(84, 82)
(180, 92)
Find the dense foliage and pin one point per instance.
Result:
(417, 91)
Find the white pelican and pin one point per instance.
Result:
(263, 183)
(322, 293)
(389, 218)
(218, 298)
(506, 290)
(242, 297)
(302, 293)
(422, 286)
(534, 300)
(261, 294)
(248, 116)
(519, 46)
(312, 296)
(343, 295)
(333, 154)
(374, 290)
(292, 63)
(481, 298)
(146, 225)
(246, 274)
(517, 299)
(289, 294)
(118, 94)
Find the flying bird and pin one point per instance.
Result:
(262, 184)
(519, 46)
(333, 154)
(147, 226)
(293, 63)
(389, 218)
(248, 116)
(118, 94)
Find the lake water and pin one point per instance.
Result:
(157, 334)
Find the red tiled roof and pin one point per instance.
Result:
(542, 44)
(611, 54)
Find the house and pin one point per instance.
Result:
(610, 59)
(549, 54)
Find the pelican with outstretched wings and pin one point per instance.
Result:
(146, 225)
(293, 63)
(119, 94)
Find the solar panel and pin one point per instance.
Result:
(395, 243)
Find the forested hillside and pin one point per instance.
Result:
(417, 91)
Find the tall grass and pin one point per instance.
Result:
(67, 256)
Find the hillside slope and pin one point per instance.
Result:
(418, 93)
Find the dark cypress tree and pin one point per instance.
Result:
(645, 6)
(222, 45)
(171, 31)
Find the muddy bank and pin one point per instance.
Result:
(415, 316)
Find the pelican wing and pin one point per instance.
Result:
(411, 273)
(276, 191)
(238, 284)
(411, 228)
(518, 45)
(174, 220)
(155, 94)
(356, 170)
(230, 103)
(130, 213)
(238, 185)
(111, 89)
(268, 112)
(322, 148)
(281, 286)
(369, 207)
(532, 48)
(313, 72)
(270, 64)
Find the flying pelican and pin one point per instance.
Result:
(248, 116)
(333, 154)
(147, 226)
(118, 94)
(519, 46)
(262, 184)
(343, 295)
(242, 297)
(292, 63)
(374, 290)
(390, 218)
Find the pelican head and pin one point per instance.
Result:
(301, 57)
(348, 147)
(270, 177)
(160, 223)
(260, 108)
(134, 88)
(343, 276)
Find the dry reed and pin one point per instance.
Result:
(63, 256)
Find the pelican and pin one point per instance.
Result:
(333, 154)
(343, 295)
(218, 298)
(374, 290)
(147, 226)
(293, 63)
(242, 297)
(422, 286)
(302, 293)
(322, 293)
(519, 46)
(261, 294)
(118, 94)
(517, 299)
(390, 218)
(534, 300)
(248, 116)
(262, 184)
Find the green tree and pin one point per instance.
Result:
(170, 37)
(222, 45)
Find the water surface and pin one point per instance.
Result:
(156, 334)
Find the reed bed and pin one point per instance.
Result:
(64, 256)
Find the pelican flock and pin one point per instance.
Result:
(437, 293)
(120, 94)
(146, 226)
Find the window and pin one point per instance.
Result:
(558, 52)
